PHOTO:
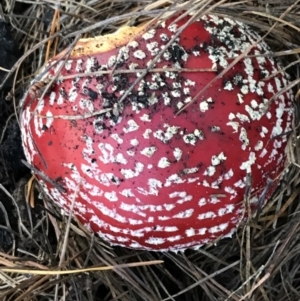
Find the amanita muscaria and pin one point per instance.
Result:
(151, 172)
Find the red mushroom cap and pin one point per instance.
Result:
(143, 176)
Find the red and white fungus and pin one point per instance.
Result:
(143, 175)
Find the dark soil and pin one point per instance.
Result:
(12, 169)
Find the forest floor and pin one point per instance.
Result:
(261, 262)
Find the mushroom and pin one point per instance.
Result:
(163, 165)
